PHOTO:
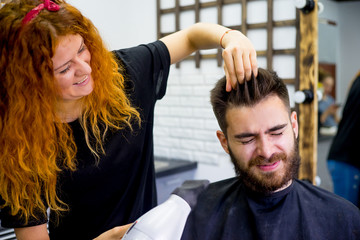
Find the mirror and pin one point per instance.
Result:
(338, 48)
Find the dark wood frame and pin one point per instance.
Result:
(308, 79)
(269, 26)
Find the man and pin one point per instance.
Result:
(265, 200)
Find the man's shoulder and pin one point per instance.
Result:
(224, 185)
(220, 190)
(323, 199)
(306, 187)
(218, 198)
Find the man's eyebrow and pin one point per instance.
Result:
(249, 134)
(245, 135)
(82, 43)
(277, 127)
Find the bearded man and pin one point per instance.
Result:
(265, 200)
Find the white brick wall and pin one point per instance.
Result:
(185, 126)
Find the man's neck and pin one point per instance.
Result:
(283, 187)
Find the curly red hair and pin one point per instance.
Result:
(35, 145)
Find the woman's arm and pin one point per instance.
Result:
(239, 54)
(38, 232)
(330, 111)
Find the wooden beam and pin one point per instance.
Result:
(219, 20)
(177, 22)
(197, 19)
(158, 19)
(285, 23)
(308, 77)
(202, 5)
(243, 17)
(269, 28)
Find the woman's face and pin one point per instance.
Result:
(72, 69)
(328, 85)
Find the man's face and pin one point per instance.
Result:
(261, 141)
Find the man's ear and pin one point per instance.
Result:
(294, 123)
(222, 140)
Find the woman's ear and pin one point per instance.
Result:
(223, 141)
(294, 123)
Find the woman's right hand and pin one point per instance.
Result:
(333, 109)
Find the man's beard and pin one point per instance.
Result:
(267, 182)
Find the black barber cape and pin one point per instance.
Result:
(226, 210)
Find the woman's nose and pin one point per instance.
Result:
(83, 67)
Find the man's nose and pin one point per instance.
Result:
(265, 147)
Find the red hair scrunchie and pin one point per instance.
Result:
(48, 5)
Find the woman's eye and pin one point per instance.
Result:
(65, 70)
(82, 49)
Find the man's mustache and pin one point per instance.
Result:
(260, 160)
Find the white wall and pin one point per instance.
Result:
(185, 126)
(346, 48)
(121, 23)
(328, 34)
(349, 47)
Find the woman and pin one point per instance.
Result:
(343, 161)
(76, 119)
(328, 117)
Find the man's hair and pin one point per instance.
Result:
(247, 94)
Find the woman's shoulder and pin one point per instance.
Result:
(141, 51)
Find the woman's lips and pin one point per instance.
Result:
(83, 82)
